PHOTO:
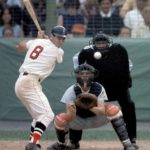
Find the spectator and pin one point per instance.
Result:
(72, 17)
(6, 20)
(17, 14)
(106, 21)
(12, 3)
(60, 3)
(134, 17)
(125, 32)
(142, 30)
(1, 5)
(60, 7)
(29, 27)
(127, 6)
(40, 8)
(89, 8)
(8, 32)
(117, 5)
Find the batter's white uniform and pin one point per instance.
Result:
(39, 62)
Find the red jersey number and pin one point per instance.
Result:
(36, 52)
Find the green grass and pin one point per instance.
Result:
(87, 135)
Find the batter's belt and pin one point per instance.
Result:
(26, 74)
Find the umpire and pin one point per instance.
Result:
(114, 75)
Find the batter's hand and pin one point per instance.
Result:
(42, 35)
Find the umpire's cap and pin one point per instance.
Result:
(59, 31)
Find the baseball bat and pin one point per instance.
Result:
(31, 11)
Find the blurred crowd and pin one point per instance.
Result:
(123, 18)
(15, 20)
(118, 18)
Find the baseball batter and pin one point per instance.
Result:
(42, 55)
(78, 118)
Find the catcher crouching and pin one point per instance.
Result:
(85, 109)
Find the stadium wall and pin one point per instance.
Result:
(62, 77)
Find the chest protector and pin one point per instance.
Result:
(96, 90)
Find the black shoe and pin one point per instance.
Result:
(31, 146)
(74, 146)
(58, 146)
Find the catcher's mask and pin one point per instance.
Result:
(85, 74)
(101, 42)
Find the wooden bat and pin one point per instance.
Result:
(31, 11)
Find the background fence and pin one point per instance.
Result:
(62, 77)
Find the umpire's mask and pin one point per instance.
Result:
(101, 42)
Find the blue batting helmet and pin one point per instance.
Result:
(59, 31)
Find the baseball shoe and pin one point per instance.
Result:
(74, 146)
(31, 146)
(135, 146)
(58, 146)
(134, 143)
(130, 147)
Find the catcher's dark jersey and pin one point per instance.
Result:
(113, 68)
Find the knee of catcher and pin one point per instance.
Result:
(112, 111)
(61, 121)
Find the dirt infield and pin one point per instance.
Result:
(85, 145)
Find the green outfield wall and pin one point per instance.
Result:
(62, 77)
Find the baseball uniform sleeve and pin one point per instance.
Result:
(69, 96)
(60, 55)
(102, 96)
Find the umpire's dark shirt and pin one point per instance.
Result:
(113, 69)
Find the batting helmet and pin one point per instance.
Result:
(59, 31)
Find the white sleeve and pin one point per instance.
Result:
(28, 43)
(69, 96)
(60, 55)
(103, 96)
(127, 20)
(75, 60)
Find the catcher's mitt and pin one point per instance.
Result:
(86, 101)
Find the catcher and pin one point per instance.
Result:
(85, 108)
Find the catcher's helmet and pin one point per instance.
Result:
(85, 67)
(59, 31)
